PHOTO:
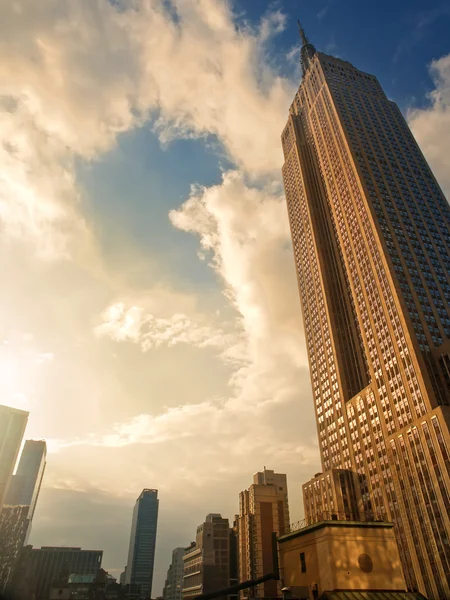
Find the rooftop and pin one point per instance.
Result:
(334, 519)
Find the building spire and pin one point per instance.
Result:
(302, 33)
(308, 51)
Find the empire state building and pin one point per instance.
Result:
(371, 235)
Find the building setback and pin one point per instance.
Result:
(141, 553)
(371, 237)
(12, 428)
(263, 510)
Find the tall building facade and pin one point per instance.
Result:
(26, 484)
(263, 510)
(141, 553)
(174, 581)
(12, 428)
(207, 565)
(38, 568)
(13, 531)
(333, 495)
(371, 236)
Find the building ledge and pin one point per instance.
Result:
(302, 530)
(371, 595)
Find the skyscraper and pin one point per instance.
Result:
(25, 485)
(141, 553)
(263, 509)
(371, 236)
(12, 428)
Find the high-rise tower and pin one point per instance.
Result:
(371, 236)
(26, 483)
(12, 427)
(141, 554)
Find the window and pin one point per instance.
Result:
(303, 562)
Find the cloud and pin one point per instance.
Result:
(324, 11)
(431, 123)
(245, 229)
(60, 99)
(133, 324)
(207, 76)
(161, 388)
(75, 75)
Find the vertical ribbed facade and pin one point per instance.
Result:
(371, 237)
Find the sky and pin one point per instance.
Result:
(149, 312)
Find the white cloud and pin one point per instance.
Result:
(135, 325)
(75, 75)
(431, 125)
(246, 229)
(206, 76)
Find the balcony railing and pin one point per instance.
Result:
(332, 516)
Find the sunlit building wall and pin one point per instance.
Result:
(371, 236)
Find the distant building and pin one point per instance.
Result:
(25, 485)
(141, 554)
(207, 560)
(339, 559)
(38, 568)
(174, 580)
(123, 577)
(234, 563)
(263, 509)
(12, 428)
(101, 586)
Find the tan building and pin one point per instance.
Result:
(331, 558)
(371, 236)
(263, 510)
(334, 494)
(207, 560)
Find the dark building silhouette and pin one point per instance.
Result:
(38, 568)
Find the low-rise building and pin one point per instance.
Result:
(334, 492)
(334, 559)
